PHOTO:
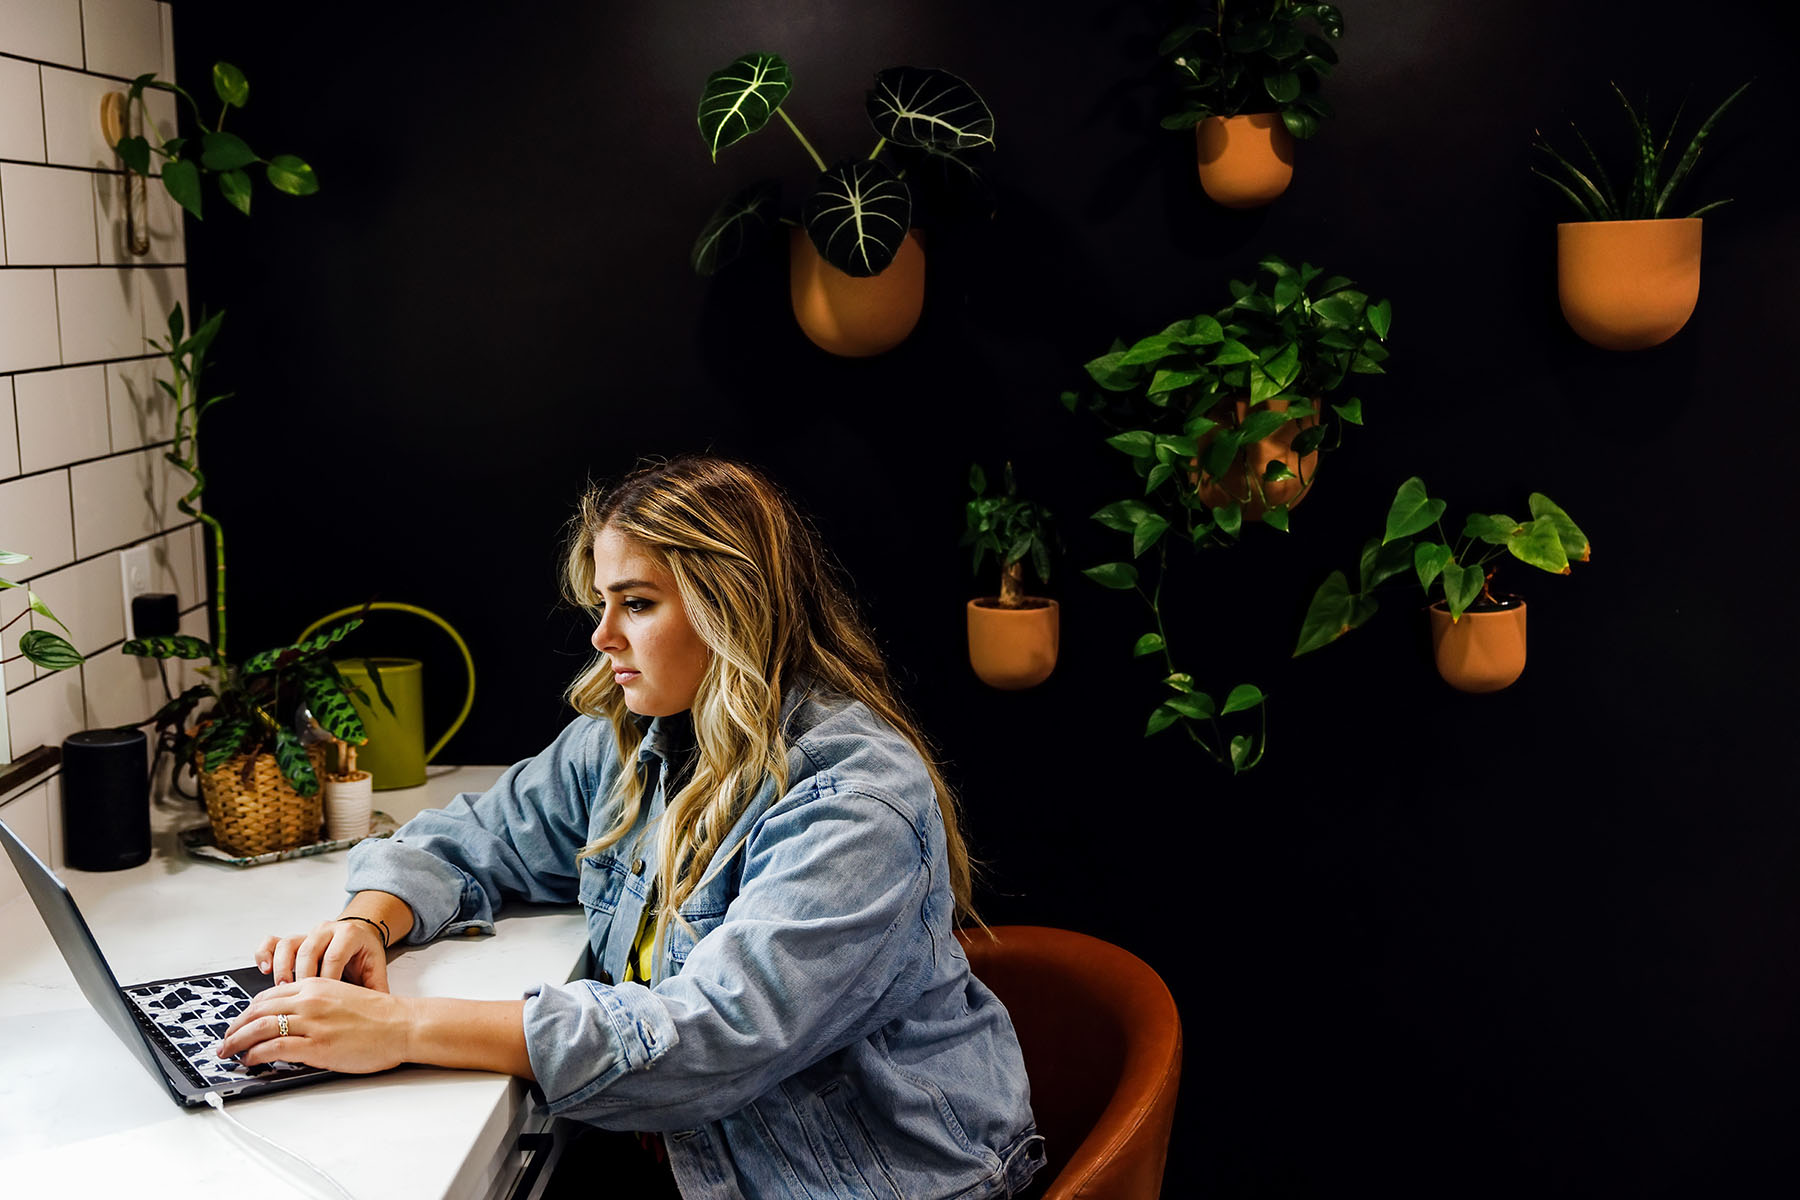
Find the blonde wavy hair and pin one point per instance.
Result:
(761, 593)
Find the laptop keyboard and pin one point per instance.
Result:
(188, 1019)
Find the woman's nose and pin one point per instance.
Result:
(606, 636)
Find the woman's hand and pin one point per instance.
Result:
(330, 1024)
(343, 948)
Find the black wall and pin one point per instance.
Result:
(1436, 944)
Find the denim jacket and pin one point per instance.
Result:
(818, 1035)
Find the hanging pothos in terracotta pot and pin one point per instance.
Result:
(1627, 272)
(856, 259)
(1249, 73)
(1477, 633)
(1013, 638)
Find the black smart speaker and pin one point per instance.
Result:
(105, 799)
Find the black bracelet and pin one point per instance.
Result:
(379, 925)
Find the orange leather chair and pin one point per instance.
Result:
(1102, 1043)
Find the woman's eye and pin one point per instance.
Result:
(635, 605)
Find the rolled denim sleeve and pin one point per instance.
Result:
(455, 866)
(805, 961)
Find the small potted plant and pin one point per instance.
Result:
(254, 751)
(1227, 414)
(1627, 272)
(857, 264)
(1477, 634)
(1249, 74)
(1012, 637)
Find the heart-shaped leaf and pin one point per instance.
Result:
(739, 99)
(1150, 643)
(858, 217)
(292, 175)
(923, 106)
(1411, 511)
(1429, 560)
(1118, 576)
(135, 151)
(1575, 542)
(1538, 543)
(230, 84)
(225, 152)
(1243, 696)
(743, 219)
(181, 179)
(1461, 587)
(235, 187)
(1328, 616)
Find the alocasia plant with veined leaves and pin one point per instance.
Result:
(1455, 571)
(184, 161)
(860, 209)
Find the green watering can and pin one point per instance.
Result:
(395, 753)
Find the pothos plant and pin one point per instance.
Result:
(1015, 530)
(41, 647)
(1649, 193)
(1234, 57)
(860, 209)
(184, 161)
(1459, 572)
(1193, 400)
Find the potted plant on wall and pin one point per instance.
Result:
(1477, 634)
(1226, 415)
(856, 262)
(1249, 73)
(1627, 273)
(1012, 637)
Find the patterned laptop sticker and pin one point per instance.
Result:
(194, 1014)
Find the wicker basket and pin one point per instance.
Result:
(266, 813)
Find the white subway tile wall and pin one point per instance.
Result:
(83, 426)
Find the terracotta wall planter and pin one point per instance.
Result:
(1278, 446)
(1013, 648)
(1628, 285)
(1482, 652)
(1247, 161)
(855, 317)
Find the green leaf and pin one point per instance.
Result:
(1411, 511)
(135, 151)
(1327, 617)
(977, 479)
(1308, 440)
(744, 218)
(235, 187)
(325, 697)
(1139, 443)
(1276, 471)
(230, 84)
(1198, 706)
(48, 650)
(1123, 515)
(1231, 352)
(1160, 719)
(173, 645)
(1496, 529)
(858, 217)
(1381, 561)
(1283, 87)
(1381, 318)
(296, 765)
(1145, 536)
(1240, 750)
(1429, 561)
(1181, 681)
(1540, 544)
(1350, 410)
(224, 738)
(292, 175)
(1276, 517)
(1260, 424)
(181, 179)
(43, 610)
(1575, 542)
(1118, 576)
(923, 106)
(739, 99)
(283, 656)
(1154, 348)
(1160, 474)
(1229, 517)
(225, 152)
(1462, 585)
(1243, 696)
(1169, 381)
(1150, 643)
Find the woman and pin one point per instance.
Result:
(771, 867)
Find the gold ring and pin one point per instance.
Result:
(281, 1024)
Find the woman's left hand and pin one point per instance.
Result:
(330, 1024)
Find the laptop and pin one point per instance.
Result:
(172, 1026)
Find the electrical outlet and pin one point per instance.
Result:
(134, 579)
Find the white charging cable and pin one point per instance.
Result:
(214, 1102)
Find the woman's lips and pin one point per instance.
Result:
(622, 675)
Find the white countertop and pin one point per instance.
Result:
(80, 1116)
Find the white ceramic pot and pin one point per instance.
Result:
(349, 803)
